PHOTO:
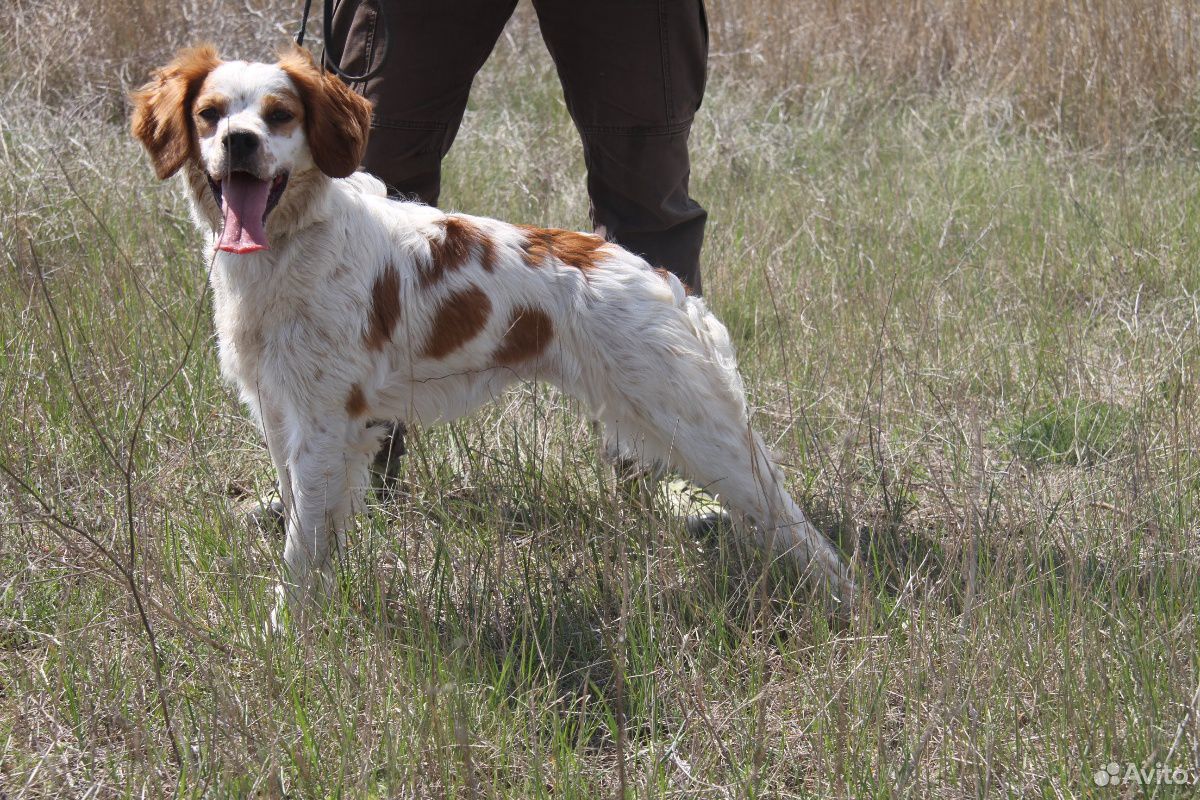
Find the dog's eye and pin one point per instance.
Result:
(280, 116)
(209, 115)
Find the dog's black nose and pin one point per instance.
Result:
(240, 144)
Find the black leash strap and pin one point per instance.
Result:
(327, 29)
(303, 23)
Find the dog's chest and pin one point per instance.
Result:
(241, 339)
(252, 316)
(290, 336)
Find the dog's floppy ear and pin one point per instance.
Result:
(162, 109)
(336, 120)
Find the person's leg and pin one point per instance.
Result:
(633, 74)
(433, 51)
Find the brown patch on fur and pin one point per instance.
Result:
(537, 246)
(574, 249)
(336, 120)
(385, 309)
(666, 276)
(208, 99)
(459, 318)
(529, 333)
(283, 112)
(356, 402)
(487, 252)
(162, 119)
(452, 251)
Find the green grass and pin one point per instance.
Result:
(1071, 432)
(975, 351)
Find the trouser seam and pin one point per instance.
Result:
(664, 43)
(636, 130)
(386, 123)
(369, 49)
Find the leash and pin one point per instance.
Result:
(327, 28)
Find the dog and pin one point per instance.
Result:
(335, 305)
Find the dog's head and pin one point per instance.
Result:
(249, 129)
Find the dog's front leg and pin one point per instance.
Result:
(275, 432)
(318, 511)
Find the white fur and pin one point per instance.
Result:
(652, 363)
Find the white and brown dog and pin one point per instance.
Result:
(335, 305)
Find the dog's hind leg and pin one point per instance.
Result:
(676, 393)
(735, 464)
(726, 457)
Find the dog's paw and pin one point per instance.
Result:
(279, 620)
(264, 514)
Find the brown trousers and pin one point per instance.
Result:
(632, 73)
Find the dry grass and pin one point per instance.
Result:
(1100, 73)
(961, 274)
(1104, 73)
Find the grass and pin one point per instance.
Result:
(1071, 432)
(972, 340)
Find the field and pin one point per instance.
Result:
(956, 245)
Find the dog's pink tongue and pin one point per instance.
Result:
(244, 201)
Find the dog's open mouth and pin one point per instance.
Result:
(245, 202)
